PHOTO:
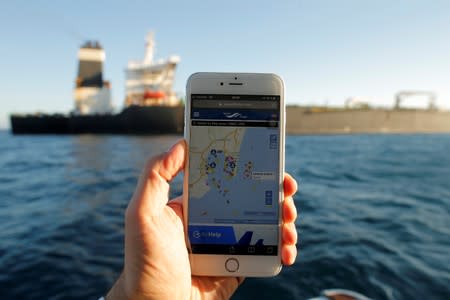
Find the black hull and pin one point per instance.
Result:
(132, 120)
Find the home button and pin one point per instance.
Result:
(232, 265)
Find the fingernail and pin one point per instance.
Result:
(173, 146)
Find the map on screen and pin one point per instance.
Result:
(233, 175)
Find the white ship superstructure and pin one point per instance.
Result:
(92, 94)
(151, 83)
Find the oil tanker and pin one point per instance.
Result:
(151, 106)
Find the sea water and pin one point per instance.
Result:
(373, 215)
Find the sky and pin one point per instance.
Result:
(326, 51)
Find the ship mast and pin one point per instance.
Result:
(149, 49)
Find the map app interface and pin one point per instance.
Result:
(234, 167)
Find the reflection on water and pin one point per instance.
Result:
(100, 164)
(100, 152)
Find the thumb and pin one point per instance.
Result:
(151, 194)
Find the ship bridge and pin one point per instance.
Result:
(151, 83)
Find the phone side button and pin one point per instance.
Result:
(232, 265)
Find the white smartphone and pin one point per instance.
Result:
(233, 184)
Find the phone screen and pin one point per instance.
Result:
(234, 174)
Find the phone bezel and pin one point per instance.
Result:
(248, 84)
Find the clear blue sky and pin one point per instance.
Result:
(326, 51)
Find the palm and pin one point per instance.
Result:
(202, 287)
(157, 254)
(161, 239)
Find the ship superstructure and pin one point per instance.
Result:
(150, 83)
(92, 94)
(151, 106)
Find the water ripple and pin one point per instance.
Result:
(373, 215)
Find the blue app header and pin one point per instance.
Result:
(235, 114)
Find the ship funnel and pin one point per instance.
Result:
(90, 65)
(92, 94)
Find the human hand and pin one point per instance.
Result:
(156, 258)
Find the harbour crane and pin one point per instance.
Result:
(400, 96)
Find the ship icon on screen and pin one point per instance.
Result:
(246, 239)
(235, 115)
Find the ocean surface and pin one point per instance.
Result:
(374, 215)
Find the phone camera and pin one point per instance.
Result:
(235, 78)
(221, 83)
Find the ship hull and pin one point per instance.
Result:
(301, 120)
(132, 120)
(169, 120)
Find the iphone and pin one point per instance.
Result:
(233, 185)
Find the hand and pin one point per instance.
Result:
(156, 258)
